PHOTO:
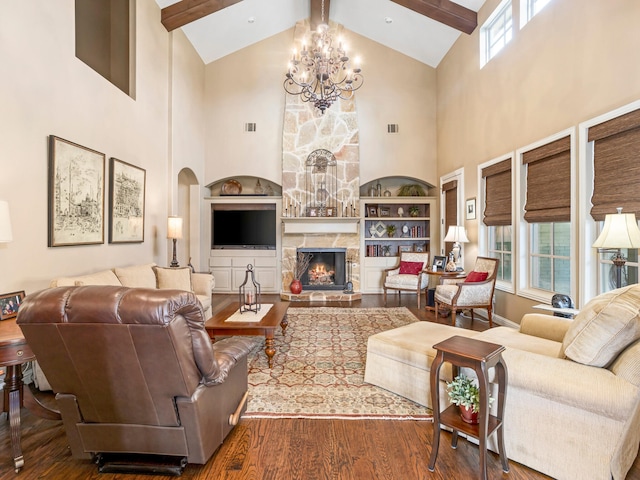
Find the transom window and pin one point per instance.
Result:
(529, 9)
(496, 32)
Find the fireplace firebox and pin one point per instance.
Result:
(327, 269)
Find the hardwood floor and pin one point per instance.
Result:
(287, 449)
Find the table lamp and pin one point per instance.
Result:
(620, 231)
(456, 234)
(6, 235)
(174, 232)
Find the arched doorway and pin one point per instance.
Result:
(189, 209)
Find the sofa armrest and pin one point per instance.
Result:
(202, 283)
(593, 389)
(545, 326)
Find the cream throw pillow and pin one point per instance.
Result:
(106, 277)
(174, 278)
(604, 327)
(137, 276)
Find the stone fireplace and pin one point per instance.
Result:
(327, 269)
(322, 230)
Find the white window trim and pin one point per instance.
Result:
(459, 176)
(524, 12)
(484, 50)
(588, 284)
(483, 230)
(523, 289)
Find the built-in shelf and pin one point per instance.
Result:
(320, 226)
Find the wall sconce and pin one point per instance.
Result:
(6, 234)
(620, 231)
(457, 235)
(174, 232)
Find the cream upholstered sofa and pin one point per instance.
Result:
(573, 397)
(148, 276)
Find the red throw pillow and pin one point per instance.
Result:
(475, 277)
(411, 268)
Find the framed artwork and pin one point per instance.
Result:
(404, 248)
(471, 209)
(439, 262)
(312, 212)
(126, 202)
(330, 212)
(76, 194)
(9, 304)
(385, 211)
(373, 211)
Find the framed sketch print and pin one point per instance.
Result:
(126, 202)
(471, 208)
(439, 262)
(76, 194)
(9, 304)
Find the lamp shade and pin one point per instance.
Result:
(174, 227)
(620, 231)
(456, 233)
(6, 235)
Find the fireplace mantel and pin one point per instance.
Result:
(324, 225)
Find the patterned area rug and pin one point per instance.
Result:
(318, 369)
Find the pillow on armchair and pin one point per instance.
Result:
(475, 277)
(411, 268)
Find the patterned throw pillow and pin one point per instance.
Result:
(411, 268)
(475, 277)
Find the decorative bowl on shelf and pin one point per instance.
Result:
(231, 187)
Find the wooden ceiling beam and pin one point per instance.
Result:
(316, 13)
(444, 11)
(187, 11)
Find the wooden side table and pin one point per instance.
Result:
(480, 356)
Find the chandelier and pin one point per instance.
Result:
(322, 73)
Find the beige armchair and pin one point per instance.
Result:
(409, 275)
(476, 291)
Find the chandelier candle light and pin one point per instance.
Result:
(322, 73)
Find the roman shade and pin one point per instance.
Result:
(450, 192)
(497, 187)
(548, 182)
(616, 165)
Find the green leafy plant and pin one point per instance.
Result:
(411, 190)
(391, 230)
(414, 210)
(464, 391)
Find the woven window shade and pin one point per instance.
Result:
(497, 207)
(450, 190)
(549, 182)
(616, 165)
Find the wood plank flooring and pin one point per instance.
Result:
(287, 449)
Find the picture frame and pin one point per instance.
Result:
(127, 185)
(385, 211)
(312, 212)
(373, 211)
(330, 212)
(405, 248)
(471, 208)
(439, 262)
(76, 194)
(9, 304)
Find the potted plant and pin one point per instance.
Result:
(414, 210)
(300, 264)
(391, 230)
(464, 392)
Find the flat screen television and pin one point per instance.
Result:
(243, 229)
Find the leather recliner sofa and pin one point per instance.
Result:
(134, 370)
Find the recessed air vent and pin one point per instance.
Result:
(393, 128)
(250, 127)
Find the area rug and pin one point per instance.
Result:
(318, 368)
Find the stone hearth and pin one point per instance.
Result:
(321, 296)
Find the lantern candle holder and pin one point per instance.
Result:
(249, 292)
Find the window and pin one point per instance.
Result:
(104, 39)
(496, 32)
(529, 9)
(546, 234)
(496, 190)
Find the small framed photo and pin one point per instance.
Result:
(471, 208)
(9, 304)
(405, 248)
(330, 212)
(312, 212)
(373, 211)
(385, 211)
(439, 262)
(418, 248)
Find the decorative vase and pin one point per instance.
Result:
(296, 286)
(468, 415)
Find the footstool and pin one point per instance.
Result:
(399, 360)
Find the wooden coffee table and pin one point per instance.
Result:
(277, 315)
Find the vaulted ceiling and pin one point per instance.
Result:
(422, 29)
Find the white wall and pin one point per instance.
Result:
(45, 90)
